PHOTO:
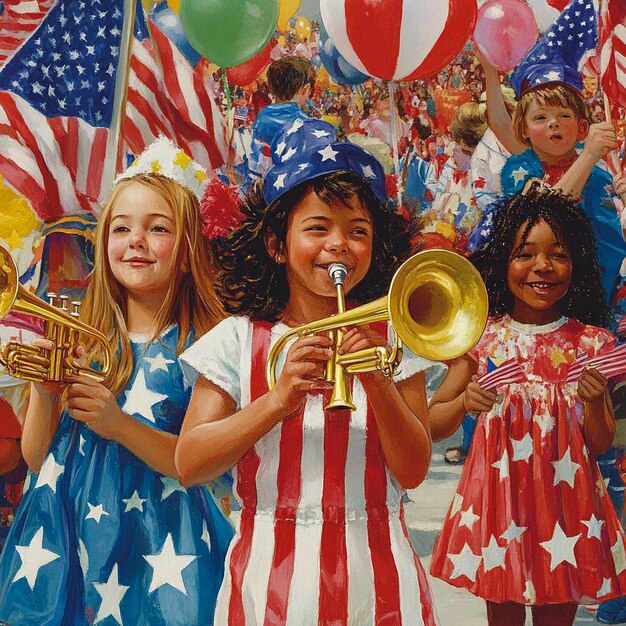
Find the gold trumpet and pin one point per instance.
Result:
(61, 326)
(437, 305)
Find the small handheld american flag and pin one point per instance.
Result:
(507, 373)
(610, 364)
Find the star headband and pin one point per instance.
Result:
(164, 158)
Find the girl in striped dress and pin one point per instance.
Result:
(322, 537)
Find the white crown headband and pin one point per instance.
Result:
(164, 158)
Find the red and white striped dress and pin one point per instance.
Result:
(322, 538)
(532, 521)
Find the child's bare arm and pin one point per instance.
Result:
(457, 396)
(599, 420)
(600, 141)
(497, 114)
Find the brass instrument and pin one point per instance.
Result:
(61, 326)
(437, 305)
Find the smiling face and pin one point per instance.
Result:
(318, 235)
(142, 241)
(539, 274)
(553, 130)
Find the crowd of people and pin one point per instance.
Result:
(124, 512)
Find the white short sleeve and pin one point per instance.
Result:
(411, 363)
(217, 356)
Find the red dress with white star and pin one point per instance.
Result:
(531, 521)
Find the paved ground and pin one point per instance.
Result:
(424, 516)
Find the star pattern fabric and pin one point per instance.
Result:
(150, 554)
(530, 522)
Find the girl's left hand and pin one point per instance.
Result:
(93, 404)
(361, 338)
(592, 385)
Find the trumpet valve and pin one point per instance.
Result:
(64, 300)
(75, 308)
(52, 298)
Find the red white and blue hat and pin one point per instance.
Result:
(309, 148)
(561, 52)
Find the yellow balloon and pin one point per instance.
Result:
(303, 27)
(174, 5)
(286, 10)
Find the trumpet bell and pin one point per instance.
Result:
(438, 304)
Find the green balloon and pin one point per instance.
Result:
(228, 32)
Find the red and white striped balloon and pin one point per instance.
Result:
(399, 39)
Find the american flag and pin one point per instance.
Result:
(57, 105)
(18, 20)
(609, 364)
(505, 374)
(612, 51)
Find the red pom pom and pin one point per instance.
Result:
(219, 209)
(391, 186)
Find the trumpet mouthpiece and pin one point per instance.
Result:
(337, 272)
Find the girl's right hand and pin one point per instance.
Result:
(56, 388)
(476, 399)
(303, 372)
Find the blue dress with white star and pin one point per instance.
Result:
(102, 538)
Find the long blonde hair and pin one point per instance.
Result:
(190, 301)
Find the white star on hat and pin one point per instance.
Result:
(328, 153)
(368, 172)
(288, 154)
(552, 75)
(280, 181)
(320, 133)
(280, 148)
(560, 547)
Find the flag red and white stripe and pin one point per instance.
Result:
(166, 96)
(19, 19)
(609, 364)
(612, 50)
(505, 374)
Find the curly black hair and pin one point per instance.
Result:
(585, 299)
(252, 283)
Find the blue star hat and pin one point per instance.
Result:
(561, 52)
(309, 148)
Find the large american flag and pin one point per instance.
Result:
(612, 51)
(57, 105)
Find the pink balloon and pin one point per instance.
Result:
(505, 31)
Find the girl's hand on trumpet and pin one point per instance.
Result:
(90, 402)
(362, 337)
(54, 388)
(303, 372)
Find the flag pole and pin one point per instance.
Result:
(114, 139)
(607, 103)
